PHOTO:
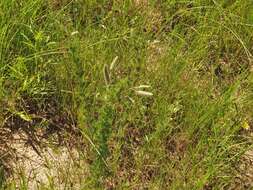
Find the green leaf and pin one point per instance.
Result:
(24, 116)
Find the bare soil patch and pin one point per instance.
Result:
(42, 162)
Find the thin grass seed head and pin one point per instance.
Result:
(131, 100)
(74, 33)
(142, 86)
(143, 93)
(113, 62)
(107, 75)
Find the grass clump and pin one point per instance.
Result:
(78, 64)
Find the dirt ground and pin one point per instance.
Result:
(47, 164)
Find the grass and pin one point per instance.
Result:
(185, 131)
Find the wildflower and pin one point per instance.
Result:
(245, 125)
